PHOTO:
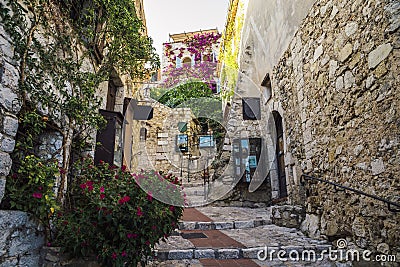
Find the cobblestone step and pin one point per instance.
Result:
(222, 225)
(234, 253)
(231, 235)
(194, 191)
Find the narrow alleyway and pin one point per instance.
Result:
(233, 236)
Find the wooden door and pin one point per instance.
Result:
(280, 156)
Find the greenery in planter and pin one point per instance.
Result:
(110, 216)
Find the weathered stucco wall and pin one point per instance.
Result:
(268, 29)
(338, 84)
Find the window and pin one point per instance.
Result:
(267, 92)
(111, 95)
(206, 141)
(143, 134)
(251, 108)
(187, 61)
(178, 62)
(193, 60)
(206, 58)
(246, 155)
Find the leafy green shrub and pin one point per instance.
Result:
(31, 189)
(110, 216)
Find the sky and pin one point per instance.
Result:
(164, 17)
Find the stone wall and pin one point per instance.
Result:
(338, 84)
(158, 151)
(20, 239)
(9, 107)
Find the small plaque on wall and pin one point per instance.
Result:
(182, 142)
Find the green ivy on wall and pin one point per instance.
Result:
(230, 49)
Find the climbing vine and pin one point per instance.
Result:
(230, 49)
(61, 61)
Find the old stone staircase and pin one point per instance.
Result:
(232, 236)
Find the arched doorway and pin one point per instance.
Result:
(280, 157)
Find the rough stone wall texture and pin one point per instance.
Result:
(158, 151)
(266, 35)
(9, 106)
(50, 146)
(20, 239)
(338, 83)
(236, 128)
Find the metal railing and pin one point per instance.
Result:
(390, 204)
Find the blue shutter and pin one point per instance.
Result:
(193, 59)
(178, 62)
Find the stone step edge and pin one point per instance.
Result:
(237, 253)
(186, 225)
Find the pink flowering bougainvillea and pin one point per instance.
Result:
(200, 47)
(113, 219)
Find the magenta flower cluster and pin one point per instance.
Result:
(198, 45)
(204, 71)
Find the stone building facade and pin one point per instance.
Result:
(195, 54)
(158, 148)
(20, 237)
(332, 82)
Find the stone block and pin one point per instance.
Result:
(10, 76)
(25, 242)
(339, 83)
(2, 187)
(180, 254)
(333, 66)
(377, 166)
(9, 100)
(251, 253)
(162, 255)
(30, 259)
(223, 225)
(10, 125)
(187, 225)
(10, 262)
(5, 163)
(244, 224)
(162, 135)
(205, 226)
(378, 55)
(318, 52)
(204, 254)
(335, 10)
(162, 142)
(349, 80)
(345, 52)
(351, 28)
(228, 254)
(7, 145)
(311, 225)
